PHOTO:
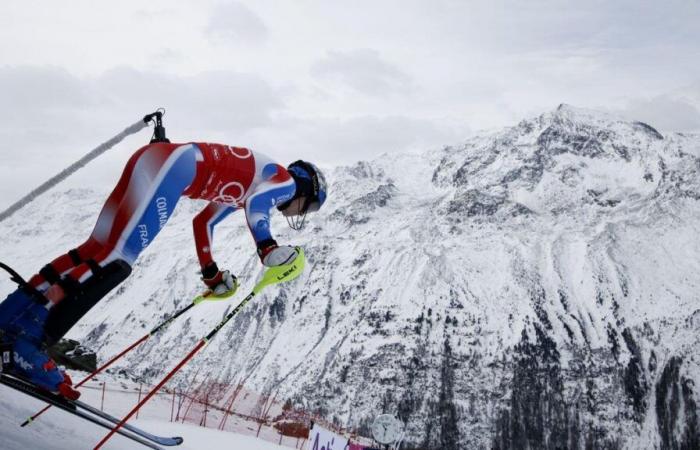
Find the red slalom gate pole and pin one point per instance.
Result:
(193, 397)
(273, 275)
(236, 391)
(151, 394)
(185, 395)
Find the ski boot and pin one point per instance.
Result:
(22, 330)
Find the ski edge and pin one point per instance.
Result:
(161, 440)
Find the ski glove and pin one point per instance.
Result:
(279, 256)
(221, 284)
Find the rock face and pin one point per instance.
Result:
(537, 287)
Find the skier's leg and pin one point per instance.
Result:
(14, 305)
(18, 302)
(21, 299)
(23, 333)
(24, 312)
(161, 175)
(82, 297)
(51, 272)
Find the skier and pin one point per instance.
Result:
(156, 176)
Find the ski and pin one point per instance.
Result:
(72, 408)
(161, 440)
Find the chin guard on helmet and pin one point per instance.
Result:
(297, 222)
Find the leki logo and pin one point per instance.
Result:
(287, 273)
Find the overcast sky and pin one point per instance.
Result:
(331, 82)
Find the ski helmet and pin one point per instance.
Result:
(310, 184)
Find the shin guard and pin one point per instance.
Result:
(82, 297)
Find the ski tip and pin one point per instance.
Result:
(171, 441)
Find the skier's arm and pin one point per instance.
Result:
(203, 225)
(277, 189)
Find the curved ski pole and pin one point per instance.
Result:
(273, 275)
(199, 299)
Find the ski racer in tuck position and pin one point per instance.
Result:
(230, 178)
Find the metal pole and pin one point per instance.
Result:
(172, 407)
(102, 404)
(65, 173)
(206, 409)
(139, 401)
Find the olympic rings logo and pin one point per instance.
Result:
(233, 151)
(226, 195)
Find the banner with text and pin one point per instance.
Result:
(322, 439)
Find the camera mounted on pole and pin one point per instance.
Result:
(158, 128)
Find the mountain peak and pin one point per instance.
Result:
(569, 114)
(578, 114)
(571, 162)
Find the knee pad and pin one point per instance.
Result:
(81, 297)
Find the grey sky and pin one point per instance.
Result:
(327, 81)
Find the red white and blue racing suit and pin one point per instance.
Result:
(153, 181)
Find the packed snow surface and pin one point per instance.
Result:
(58, 430)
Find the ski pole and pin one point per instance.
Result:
(273, 275)
(197, 300)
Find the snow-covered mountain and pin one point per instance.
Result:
(538, 287)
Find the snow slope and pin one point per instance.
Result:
(533, 287)
(58, 430)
